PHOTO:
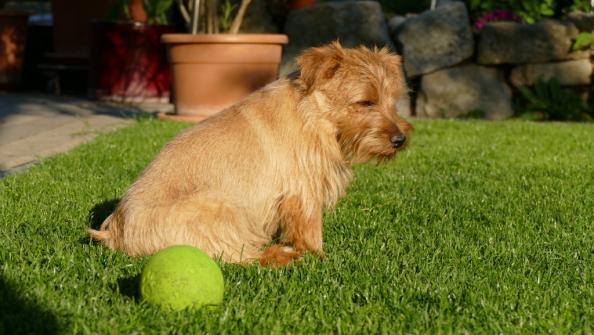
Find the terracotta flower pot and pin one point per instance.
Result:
(212, 72)
(13, 32)
(128, 62)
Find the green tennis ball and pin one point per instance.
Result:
(182, 276)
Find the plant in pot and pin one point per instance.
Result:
(127, 59)
(212, 70)
(13, 33)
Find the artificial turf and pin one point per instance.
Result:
(479, 227)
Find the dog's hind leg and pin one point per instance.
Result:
(214, 226)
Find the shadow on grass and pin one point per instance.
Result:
(130, 287)
(127, 286)
(97, 215)
(19, 315)
(100, 212)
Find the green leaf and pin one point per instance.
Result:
(583, 40)
(156, 10)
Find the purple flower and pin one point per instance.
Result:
(496, 15)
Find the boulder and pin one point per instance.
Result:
(516, 43)
(394, 23)
(574, 72)
(258, 19)
(440, 3)
(464, 90)
(435, 39)
(354, 23)
(584, 22)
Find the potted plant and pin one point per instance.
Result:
(212, 70)
(13, 33)
(127, 59)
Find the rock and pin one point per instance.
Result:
(575, 72)
(403, 105)
(464, 90)
(352, 22)
(435, 39)
(580, 54)
(584, 22)
(258, 19)
(394, 23)
(440, 3)
(516, 43)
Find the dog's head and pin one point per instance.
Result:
(361, 91)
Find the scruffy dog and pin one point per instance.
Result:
(264, 169)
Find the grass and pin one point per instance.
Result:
(480, 227)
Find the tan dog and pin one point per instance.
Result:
(265, 169)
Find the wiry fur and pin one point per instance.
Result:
(267, 167)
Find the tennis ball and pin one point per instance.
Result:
(181, 276)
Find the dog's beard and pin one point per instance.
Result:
(366, 139)
(372, 145)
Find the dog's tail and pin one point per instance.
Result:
(99, 235)
(103, 235)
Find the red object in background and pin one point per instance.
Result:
(137, 12)
(297, 4)
(129, 62)
(13, 33)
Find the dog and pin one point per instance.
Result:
(251, 182)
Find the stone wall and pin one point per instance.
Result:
(453, 69)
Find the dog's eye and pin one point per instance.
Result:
(365, 103)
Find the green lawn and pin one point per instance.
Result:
(480, 227)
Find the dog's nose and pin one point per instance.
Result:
(398, 140)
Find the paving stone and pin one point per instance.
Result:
(38, 126)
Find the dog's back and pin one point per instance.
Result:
(223, 172)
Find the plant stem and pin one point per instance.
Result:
(212, 15)
(195, 16)
(239, 17)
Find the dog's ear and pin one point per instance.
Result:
(393, 62)
(320, 64)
